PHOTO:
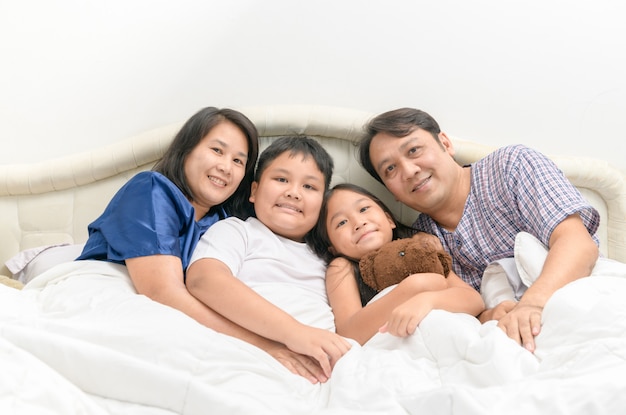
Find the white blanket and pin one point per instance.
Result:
(79, 340)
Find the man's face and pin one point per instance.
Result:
(417, 170)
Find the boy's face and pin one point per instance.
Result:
(288, 196)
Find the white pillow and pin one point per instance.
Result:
(530, 254)
(29, 263)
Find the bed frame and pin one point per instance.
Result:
(52, 202)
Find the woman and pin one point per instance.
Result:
(155, 220)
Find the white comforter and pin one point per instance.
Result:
(79, 340)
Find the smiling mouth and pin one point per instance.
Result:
(421, 184)
(289, 207)
(217, 180)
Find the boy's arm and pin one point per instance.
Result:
(211, 282)
(571, 256)
(160, 278)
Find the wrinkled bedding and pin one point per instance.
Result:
(79, 340)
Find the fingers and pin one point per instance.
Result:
(303, 366)
(522, 324)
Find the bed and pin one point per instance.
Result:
(77, 339)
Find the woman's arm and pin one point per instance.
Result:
(160, 278)
(361, 323)
(211, 281)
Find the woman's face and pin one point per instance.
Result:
(215, 167)
(356, 224)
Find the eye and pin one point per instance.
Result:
(217, 150)
(239, 161)
(364, 209)
(341, 223)
(281, 179)
(309, 187)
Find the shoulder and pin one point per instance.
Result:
(339, 266)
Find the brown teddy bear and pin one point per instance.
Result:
(400, 258)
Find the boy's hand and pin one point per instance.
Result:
(324, 346)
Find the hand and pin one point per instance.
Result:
(497, 312)
(324, 346)
(297, 363)
(405, 318)
(522, 324)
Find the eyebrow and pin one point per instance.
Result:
(409, 140)
(225, 144)
(287, 172)
(356, 202)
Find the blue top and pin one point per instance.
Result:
(149, 215)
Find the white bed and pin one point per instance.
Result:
(78, 340)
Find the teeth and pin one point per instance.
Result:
(217, 181)
(289, 207)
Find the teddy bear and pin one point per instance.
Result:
(400, 258)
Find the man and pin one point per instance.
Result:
(477, 210)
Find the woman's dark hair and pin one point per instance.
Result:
(320, 243)
(398, 123)
(172, 164)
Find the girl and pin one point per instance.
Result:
(353, 222)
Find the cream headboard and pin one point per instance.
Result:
(53, 201)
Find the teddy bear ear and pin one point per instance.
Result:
(366, 266)
(446, 261)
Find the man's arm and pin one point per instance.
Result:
(572, 255)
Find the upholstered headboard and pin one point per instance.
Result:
(52, 202)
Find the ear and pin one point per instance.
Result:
(446, 143)
(253, 188)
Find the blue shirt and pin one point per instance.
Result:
(149, 215)
(513, 189)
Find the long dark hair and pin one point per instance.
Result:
(320, 243)
(192, 132)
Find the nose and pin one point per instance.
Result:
(359, 224)
(408, 169)
(293, 193)
(223, 167)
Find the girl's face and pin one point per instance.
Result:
(215, 167)
(356, 225)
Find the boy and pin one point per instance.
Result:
(260, 273)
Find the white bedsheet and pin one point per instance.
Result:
(79, 340)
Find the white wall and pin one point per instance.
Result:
(77, 74)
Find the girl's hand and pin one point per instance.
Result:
(405, 318)
(324, 346)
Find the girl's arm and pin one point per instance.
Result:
(458, 297)
(211, 282)
(160, 278)
(361, 323)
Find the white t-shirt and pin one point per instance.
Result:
(285, 272)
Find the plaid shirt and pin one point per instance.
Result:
(513, 189)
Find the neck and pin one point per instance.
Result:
(450, 216)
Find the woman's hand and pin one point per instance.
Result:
(297, 363)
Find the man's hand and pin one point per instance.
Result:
(522, 324)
